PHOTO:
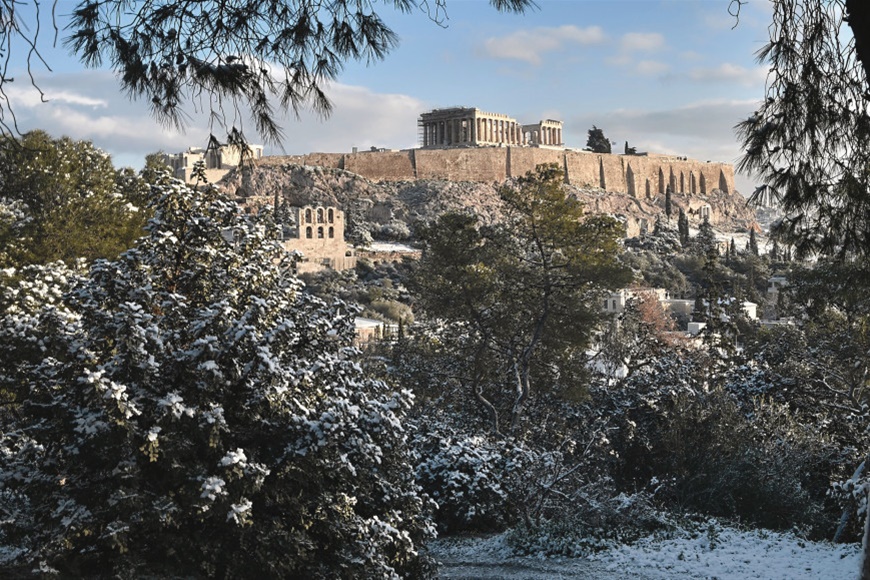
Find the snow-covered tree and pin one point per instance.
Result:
(185, 410)
(74, 203)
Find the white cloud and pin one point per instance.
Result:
(530, 45)
(642, 41)
(651, 68)
(702, 130)
(729, 73)
(93, 108)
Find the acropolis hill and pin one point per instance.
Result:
(465, 154)
(467, 144)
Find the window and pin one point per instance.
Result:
(320, 216)
(308, 217)
(331, 216)
(331, 232)
(320, 232)
(308, 232)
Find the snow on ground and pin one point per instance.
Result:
(390, 247)
(723, 554)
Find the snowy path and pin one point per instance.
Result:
(735, 555)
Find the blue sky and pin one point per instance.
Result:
(669, 76)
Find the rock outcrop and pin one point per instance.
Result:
(388, 209)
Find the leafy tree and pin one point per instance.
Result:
(187, 411)
(73, 201)
(527, 289)
(170, 53)
(597, 142)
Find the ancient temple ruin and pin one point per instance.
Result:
(471, 127)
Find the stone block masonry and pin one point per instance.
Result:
(642, 176)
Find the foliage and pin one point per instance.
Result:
(526, 289)
(598, 519)
(683, 227)
(636, 337)
(705, 241)
(63, 200)
(597, 142)
(808, 141)
(186, 410)
(716, 452)
(233, 54)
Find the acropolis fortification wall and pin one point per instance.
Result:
(638, 175)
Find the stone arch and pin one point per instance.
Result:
(629, 180)
(601, 180)
(682, 182)
(723, 182)
(693, 186)
(648, 192)
(703, 184)
(661, 180)
(672, 180)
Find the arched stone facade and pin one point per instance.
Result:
(319, 237)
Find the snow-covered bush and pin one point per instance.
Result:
(598, 518)
(720, 456)
(467, 475)
(185, 410)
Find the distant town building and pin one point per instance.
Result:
(218, 161)
(318, 234)
(369, 330)
(471, 127)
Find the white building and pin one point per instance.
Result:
(218, 161)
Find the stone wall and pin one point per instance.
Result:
(521, 160)
(381, 165)
(470, 164)
(640, 176)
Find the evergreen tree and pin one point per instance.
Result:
(668, 206)
(526, 290)
(705, 240)
(187, 411)
(753, 243)
(72, 202)
(597, 141)
(170, 54)
(683, 227)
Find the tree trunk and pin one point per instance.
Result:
(865, 557)
(859, 20)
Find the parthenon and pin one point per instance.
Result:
(471, 127)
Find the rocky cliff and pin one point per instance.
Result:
(387, 210)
